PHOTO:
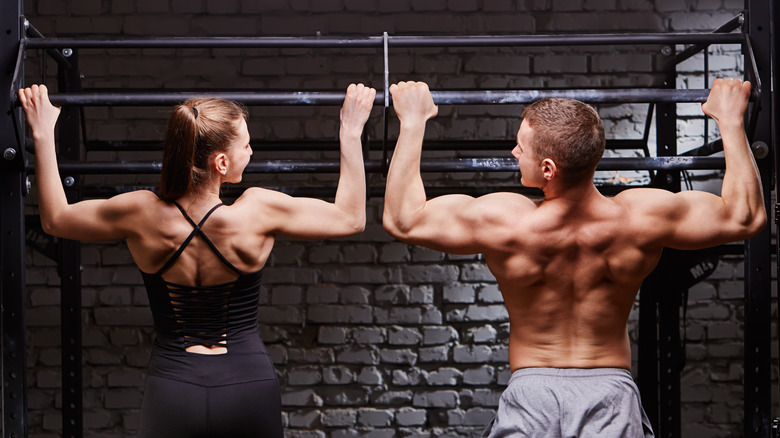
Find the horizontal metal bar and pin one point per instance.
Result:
(176, 97)
(468, 97)
(433, 165)
(374, 191)
(561, 40)
(393, 41)
(261, 145)
(599, 95)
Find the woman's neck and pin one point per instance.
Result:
(204, 195)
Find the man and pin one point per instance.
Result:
(569, 266)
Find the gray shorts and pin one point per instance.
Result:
(570, 402)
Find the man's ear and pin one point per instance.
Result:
(220, 161)
(549, 169)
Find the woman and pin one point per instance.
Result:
(210, 374)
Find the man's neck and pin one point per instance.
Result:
(576, 194)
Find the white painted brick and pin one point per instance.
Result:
(434, 335)
(305, 397)
(403, 336)
(304, 376)
(410, 417)
(393, 398)
(368, 335)
(472, 354)
(436, 399)
(434, 354)
(286, 295)
(322, 294)
(338, 417)
(479, 376)
(421, 295)
(355, 295)
(401, 356)
(413, 377)
(375, 417)
(484, 334)
(351, 355)
(337, 375)
(371, 376)
(458, 293)
(332, 335)
(392, 294)
(304, 419)
(444, 377)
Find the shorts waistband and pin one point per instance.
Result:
(570, 372)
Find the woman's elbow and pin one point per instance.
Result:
(359, 226)
(354, 225)
(50, 225)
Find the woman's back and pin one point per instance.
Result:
(162, 228)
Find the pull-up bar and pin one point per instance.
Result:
(469, 97)
(376, 166)
(393, 41)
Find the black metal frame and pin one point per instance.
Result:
(12, 229)
(757, 373)
(657, 310)
(69, 263)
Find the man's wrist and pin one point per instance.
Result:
(413, 123)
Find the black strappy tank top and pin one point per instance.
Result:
(223, 315)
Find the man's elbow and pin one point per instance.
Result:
(394, 227)
(757, 224)
(751, 225)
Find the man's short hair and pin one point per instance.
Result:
(569, 132)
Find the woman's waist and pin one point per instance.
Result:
(237, 365)
(244, 340)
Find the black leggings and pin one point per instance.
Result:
(174, 409)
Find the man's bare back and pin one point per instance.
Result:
(569, 275)
(569, 267)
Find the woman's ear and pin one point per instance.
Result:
(549, 169)
(221, 162)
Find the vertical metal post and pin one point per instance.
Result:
(69, 261)
(386, 106)
(648, 351)
(758, 249)
(12, 234)
(774, 13)
(669, 299)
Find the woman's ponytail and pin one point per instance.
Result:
(179, 153)
(196, 130)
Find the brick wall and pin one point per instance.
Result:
(370, 337)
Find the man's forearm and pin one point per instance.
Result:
(742, 191)
(405, 193)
